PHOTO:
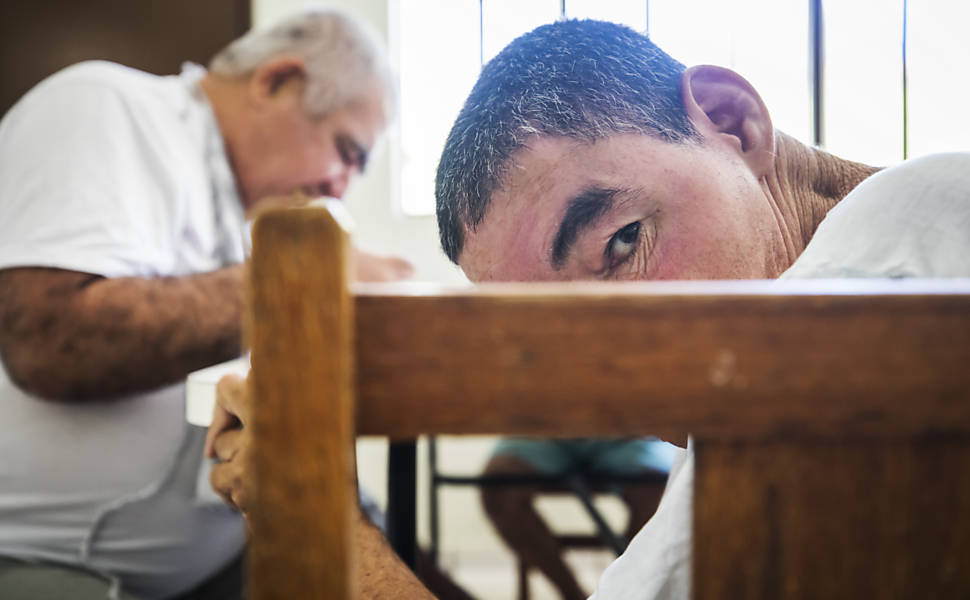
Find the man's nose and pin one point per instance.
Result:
(338, 179)
(339, 183)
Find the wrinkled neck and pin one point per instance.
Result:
(804, 185)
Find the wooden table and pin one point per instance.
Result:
(831, 419)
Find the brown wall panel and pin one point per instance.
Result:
(39, 37)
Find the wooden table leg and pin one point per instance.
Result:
(866, 518)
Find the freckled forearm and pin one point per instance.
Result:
(380, 573)
(112, 337)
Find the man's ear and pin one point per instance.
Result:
(722, 103)
(276, 77)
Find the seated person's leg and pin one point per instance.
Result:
(513, 514)
(633, 457)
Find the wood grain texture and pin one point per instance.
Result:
(302, 522)
(722, 360)
(851, 519)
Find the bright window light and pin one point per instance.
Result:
(863, 85)
(438, 67)
(937, 50)
(442, 44)
(766, 41)
(630, 13)
(505, 20)
(690, 40)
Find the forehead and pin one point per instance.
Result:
(514, 241)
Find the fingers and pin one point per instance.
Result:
(231, 477)
(231, 411)
(228, 480)
(232, 394)
(228, 440)
(369, 267)
(221, 422)
(227, 444)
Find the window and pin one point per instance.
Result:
(863, 82)
(937, 88)
(438, 67)
(442, 45)
(505, 20)
(766, 41)
(633, 14)
(888, 83)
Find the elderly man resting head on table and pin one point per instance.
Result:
(585, 152)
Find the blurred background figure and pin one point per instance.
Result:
(122, 233)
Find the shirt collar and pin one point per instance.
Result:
(230, 218)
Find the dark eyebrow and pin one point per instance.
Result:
(583, 212)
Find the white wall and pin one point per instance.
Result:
(372, 199)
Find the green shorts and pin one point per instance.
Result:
(20, 580)
(588, 455)
(29, 580)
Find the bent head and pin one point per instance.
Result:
(584, 152)
(312, 94)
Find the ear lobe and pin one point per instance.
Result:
(276, 76)
(722, 103)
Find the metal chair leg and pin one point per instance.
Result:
(523, 579)
(402, 499)
(609, 537)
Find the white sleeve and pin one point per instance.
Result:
(656, 564)
(81, 186)
(910, 220)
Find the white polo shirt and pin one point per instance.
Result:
(911, 220)
(111, 171)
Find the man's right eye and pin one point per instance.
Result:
(622, 245)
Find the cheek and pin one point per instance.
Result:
(302, 166)
(700, 245)
(714, 231)
(673, 258)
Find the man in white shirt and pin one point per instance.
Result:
(122, 232)
(585, 152)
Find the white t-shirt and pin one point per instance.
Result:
(111, 171)
(911, 220)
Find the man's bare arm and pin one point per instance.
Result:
(73, 336)
(380, 572)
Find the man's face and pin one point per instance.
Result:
(291, 152)
(626, 207)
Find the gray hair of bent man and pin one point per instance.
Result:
(344, 58)
(579, 79)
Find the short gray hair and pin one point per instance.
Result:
(584, 80)
(343, 57)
